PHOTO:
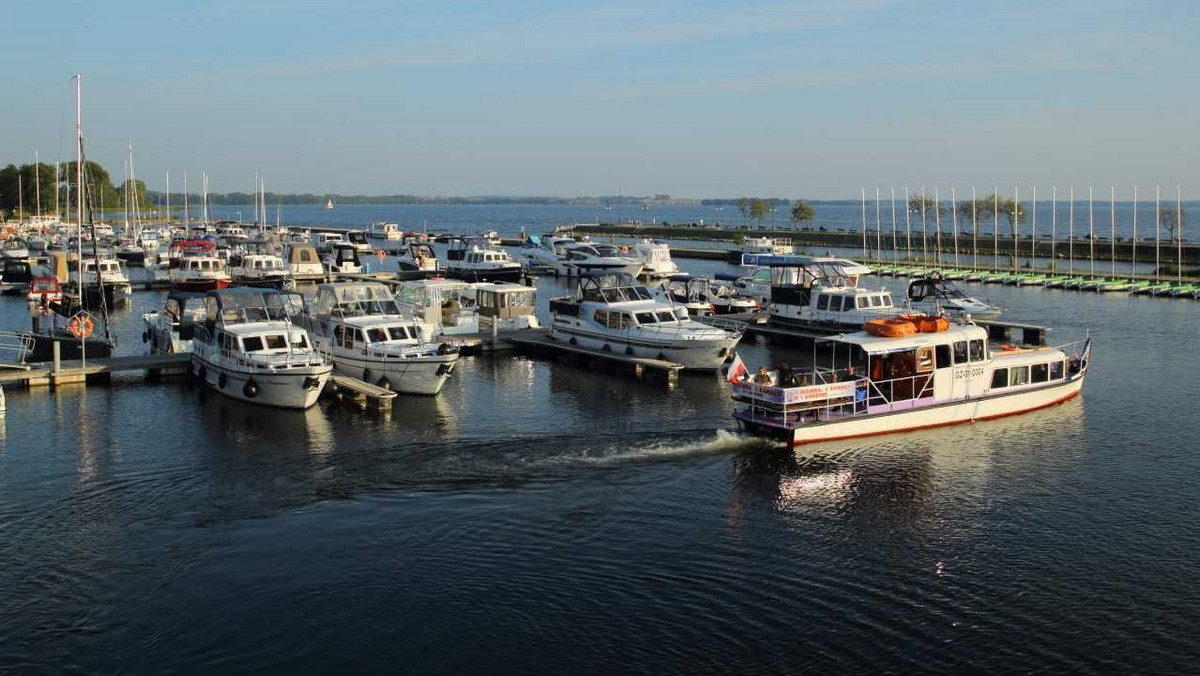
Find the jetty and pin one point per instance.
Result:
(661, 371)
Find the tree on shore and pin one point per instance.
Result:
(759, 208)
(916, 202)
(803, 212)
(986, 208)
(744, 207)
(1173, 221)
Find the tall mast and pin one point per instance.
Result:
(1135, 236)
(878, 228)
(125, 231)
(954, 220)
(187, 213)
(1033, 231)
(895, 244)
(167, 218)
(1157, 221)
(1053, 226)
(907, 226)
(57, 173)
(864, 223)
(974, 230)
(37, 181)
(996, 227)
(1091, 232)
(79, 202)
(937, 220)
(1112, 225)
(1179, 234)
(924, 237)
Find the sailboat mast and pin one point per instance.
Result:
(1135, 235)
(1091, 232)
(864, 223)
(924, 236)
(1112, 227)
(954, 220)
(167, 219)
(1179, 234)
(974, 230)
(1033, 231)
(1157, 222)
(1053, 226)
(1016, 225)
(187, 212)
(907, 226)
(878, 228)
(37, 181)
(1071, 234)
(937, 220)
(79, 202)
(895, 243)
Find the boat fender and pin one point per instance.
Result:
(629, 350)
(366, 375)
(250, 389)
(202, 373)
(221, 381)
(383, 383)
(311, 382)
(446, 348)
(606, 348)
(445, 369)
(145, 336)
(572, 341)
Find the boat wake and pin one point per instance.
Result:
(721, 442)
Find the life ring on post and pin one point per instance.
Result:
(81, 325)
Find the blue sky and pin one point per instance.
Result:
(814, 98)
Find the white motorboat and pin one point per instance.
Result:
(418, 256)
(261, 270)
(16, 276)
(171, 330)
(506, 306)
(754, 248)
(15, 247)
(913, 380)
(683, 295)
(655, 258)
(107, 275)
(445, 307)
(817, 297)
(304, 264)
(359, 240)
(544, 250)
(248, 348)
(324, 241)
(389, 232)
(614, 313)
(342, 259)
(933, 295)
(715, 298)
(473, 259)
(369, 337)
(589, 258)
(194, 266)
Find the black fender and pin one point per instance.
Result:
(250, 389)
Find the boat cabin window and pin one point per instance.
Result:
(402, 332)
(1019, 375)
(666, 316)
(1039, 373)
(276, 342)
(863, 302)
(305, 256)
(227, 342)
(887, 301)
(822, 302)
(1056, 370)
(925, 361)
(960, 352)
(942, 352)
(646, 318)
(252, 344)
(999, 378)
(300, 340)
(377, 335)
(977, 352)
(876, 301)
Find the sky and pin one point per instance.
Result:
(692, 98)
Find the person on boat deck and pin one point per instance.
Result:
(762, 377)
(851, 373)
(787, 377)
(804, 380)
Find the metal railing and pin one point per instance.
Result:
(15, 349)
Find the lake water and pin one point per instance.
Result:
(540, 517)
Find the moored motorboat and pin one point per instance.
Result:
(614, 313)
(933, 295)
(248, 348)
(368, 336)
(170, 330)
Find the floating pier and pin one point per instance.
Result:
(75, 371)
(666, 372)
(371, 398)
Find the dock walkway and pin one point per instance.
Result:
(639, 367)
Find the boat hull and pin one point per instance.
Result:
(510, 275)
(202, 285)
(68, 346)
(422, 375)
(697, 354)
(297, 389)
(953, 413)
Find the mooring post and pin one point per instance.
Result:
(56, 347)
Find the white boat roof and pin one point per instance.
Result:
(503, 287)
(871, 343)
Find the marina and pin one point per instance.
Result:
(457, 338)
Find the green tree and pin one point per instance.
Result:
(759, 208)
(915, 202)
(99, 183)
(802, 212)
(987, 208)
(744, 207)
(25, 179)
(140, 193)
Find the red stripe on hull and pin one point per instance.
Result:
(1056, 402)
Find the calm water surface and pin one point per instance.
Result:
(536, 516)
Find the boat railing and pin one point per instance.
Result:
(15, 349)
(311, 357)
(807, 404)
(903, 393)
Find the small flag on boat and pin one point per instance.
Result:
(737, 370)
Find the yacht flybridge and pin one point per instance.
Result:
(931, 374)
(590, 258)
(614, 313)
(815, 295)
(933, 295)
(247, 348)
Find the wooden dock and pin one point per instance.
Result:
(68, 372)
(372, 398)
(640, 368)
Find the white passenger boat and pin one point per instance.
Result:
(614, 313)
(813, 296)
(388, 232)
(420, 256)
(248, 348)
(589, 258)
(473, 259)
(655, 258)
(909, 382)
(932, 295)
(261, 270)
(444, 307)
(304, 264)
(368, 336)
(170, 330)
(342, 259)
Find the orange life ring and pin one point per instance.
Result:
(927, 323)
(1008, 347)
(81, 326)
(890, 327)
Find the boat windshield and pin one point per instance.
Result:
(606, 250)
